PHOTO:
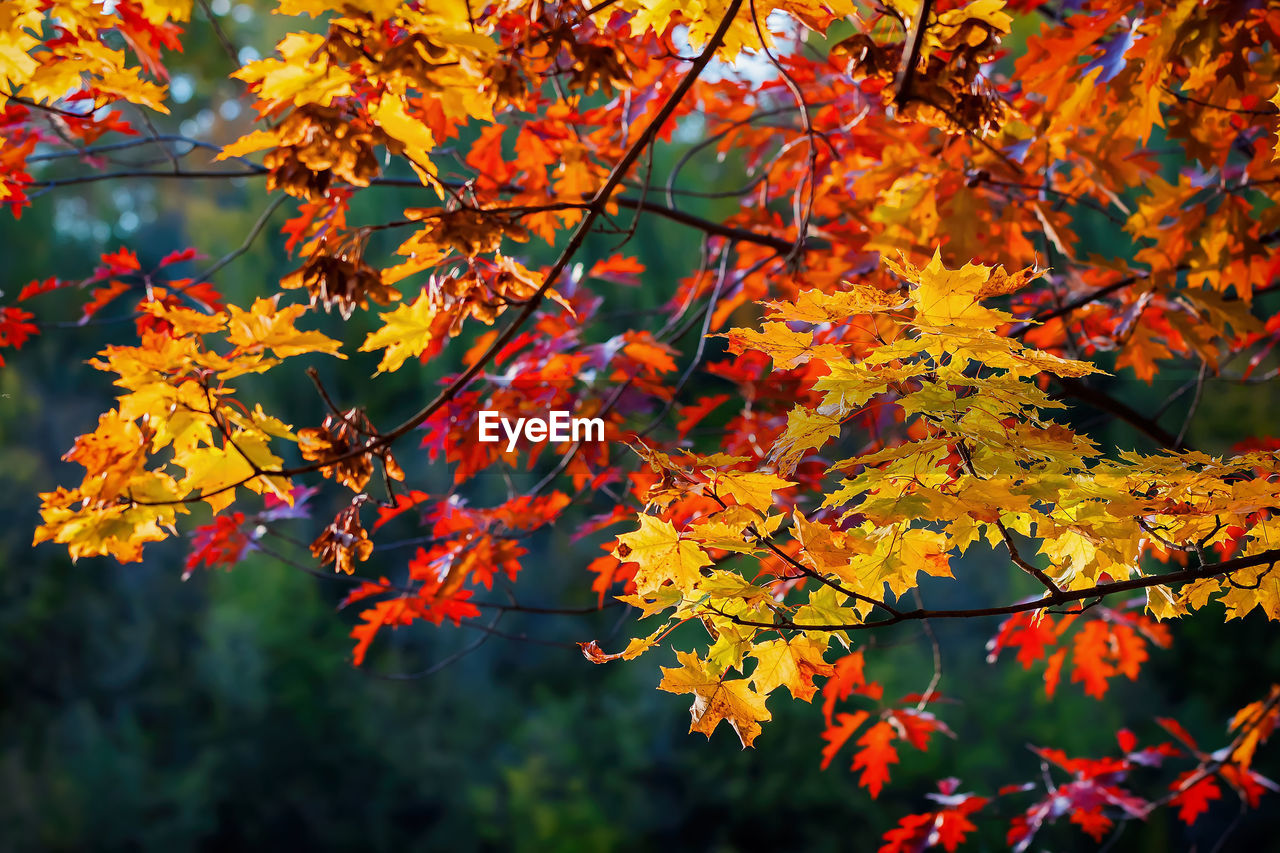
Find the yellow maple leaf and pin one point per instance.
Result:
(716, 698)
(214, 472)
(805, 431)
(185, 321)
(661, 556)
(792, 664)
(827, 607)
(990, 12)
(253, 141)
(1260, 718)
(946, 297)
(90, 528)
(1258, 586)
(157, 11)
(814, 306)
(787, 348)
(264, 326)
(303, 74)
(405, 334)
(395, 121)
(750, 488)
(17, 21)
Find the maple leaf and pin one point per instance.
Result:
(716, 698)
(1142, 352)
(402, 504)
(847, 677)
(1092, 647)
(954, 824)
(221, 543)
(874, 758)
(394, 612)
(750, 488)
(838, 734)
(911, 834)
(1193, 800)
(946, 297)
(661, 556)
(267, 326)
(788, 349)
(805, 431)
(16, 328)
(947, 826)
(407, 332)
(791, 663)
(1256, 722)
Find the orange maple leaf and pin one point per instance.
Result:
(876, 755)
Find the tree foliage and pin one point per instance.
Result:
(878, 369)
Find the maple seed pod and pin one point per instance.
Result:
(341, 280)
(344, 540)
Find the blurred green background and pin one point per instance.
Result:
(141, 712)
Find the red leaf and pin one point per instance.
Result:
(1127, 740)
(120, 262)
(911, 834)
(35, 288)
(609, 571)
(1194, 801)
(839, 734)
(1053, 672)
(691, 416)
(618, 270)
(102, 297)
(1130, 650)
(366, 590)
(403, 504)
(177, 256)
(848, 675)
(493, 167)
(396, 612)
(874, 758)
(1092, 647)
(15, 327)
(1175, 728)
(915, 727)
(1092, 821)
(221, 543)
(1028, 632)
(954, 824)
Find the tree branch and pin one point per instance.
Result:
(1063, 597)
(907, 69)
(594, 211)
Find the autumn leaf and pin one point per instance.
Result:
(407, 331)
(873, 359)
(662, 556)
(874, 758)
(267, 326)
(838, 734)
(792, 664)
(1193, 793)
(750, 488)
(716, 698)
